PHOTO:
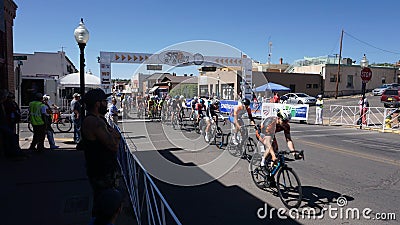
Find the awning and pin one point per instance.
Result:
(271, 86)
(153, 89)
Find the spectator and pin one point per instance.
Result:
(13, 113)
(109, 206)
(48, 121)
(76, 108)
(113, 111)
(37, 115)
(9, 141)
(363, 106)
(276, 98)
(100, 144)
(319, 110)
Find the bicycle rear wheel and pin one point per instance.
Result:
(258, 174)
(64, 124)
(289, 188)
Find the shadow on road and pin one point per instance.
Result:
(210, 203)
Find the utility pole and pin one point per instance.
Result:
(338, 72)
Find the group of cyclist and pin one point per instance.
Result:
(208, 110)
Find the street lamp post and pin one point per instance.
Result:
(365, 76)
(82, 36)
(218, 79)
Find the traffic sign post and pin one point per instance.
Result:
(366, 75)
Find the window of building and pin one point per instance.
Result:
(203, 90)
(227, 91)
(308, 86)
(315, 86)
(333, 78)
(383, 79)
(350, 81)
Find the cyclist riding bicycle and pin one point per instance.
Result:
(266, 135)
(199, 110)
(211, 113)
(236, 120)
(150, 106)
(193, 106)
(175, 107)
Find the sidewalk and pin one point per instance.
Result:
(47, 188)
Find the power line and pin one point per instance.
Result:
(397, 53)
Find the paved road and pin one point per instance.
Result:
(205, 185)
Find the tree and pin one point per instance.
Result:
(187, 90)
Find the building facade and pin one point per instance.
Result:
(349, 81)
(8, 11)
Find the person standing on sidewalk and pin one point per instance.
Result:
(319, 110)
(113, 111)
(49, 129)
(100, 144)
(76, 108)
(37, 115)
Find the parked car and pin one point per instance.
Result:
(298, 98)
(380, 90)
(391, 97)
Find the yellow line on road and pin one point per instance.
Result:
(362, 155)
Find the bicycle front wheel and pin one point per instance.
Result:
(234, 150)
(258, 174)
(289, 188)
(64, 125)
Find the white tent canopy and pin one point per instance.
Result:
(73, 80)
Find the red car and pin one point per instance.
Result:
(391, 97)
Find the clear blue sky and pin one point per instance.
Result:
(295, 28)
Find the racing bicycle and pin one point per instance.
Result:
(279, 176)
(246, 144)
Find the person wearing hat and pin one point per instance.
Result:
(76, 108)
(100, 143)
(318, 110)
(37, 115)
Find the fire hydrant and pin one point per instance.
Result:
(388, 121)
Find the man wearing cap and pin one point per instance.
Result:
(37, 115)
(100, 144)
(319, 109)
(76, 108)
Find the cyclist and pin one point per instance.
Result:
(266, 134)
(175, 107)
(150, 106)
(193, 106)
(199, 110)
(211, 113)
(236, 120)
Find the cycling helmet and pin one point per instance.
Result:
(215, 102)
(284, 115)
(201, 101)
(46, 97)
(245, 101)
(182, 97)
(176, 97)
(195, 98)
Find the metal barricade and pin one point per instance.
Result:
(148, 204)
(378, 118)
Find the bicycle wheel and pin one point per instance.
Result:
(258, 174)
(30, 127)
(289, 188)
(234, 150)
(64, 125)
(250, 146)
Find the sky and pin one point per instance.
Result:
(296, 29)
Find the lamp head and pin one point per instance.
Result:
(81, 33)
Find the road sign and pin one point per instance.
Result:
(366, 74)
(20, 57)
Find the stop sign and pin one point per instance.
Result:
(366, 74)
